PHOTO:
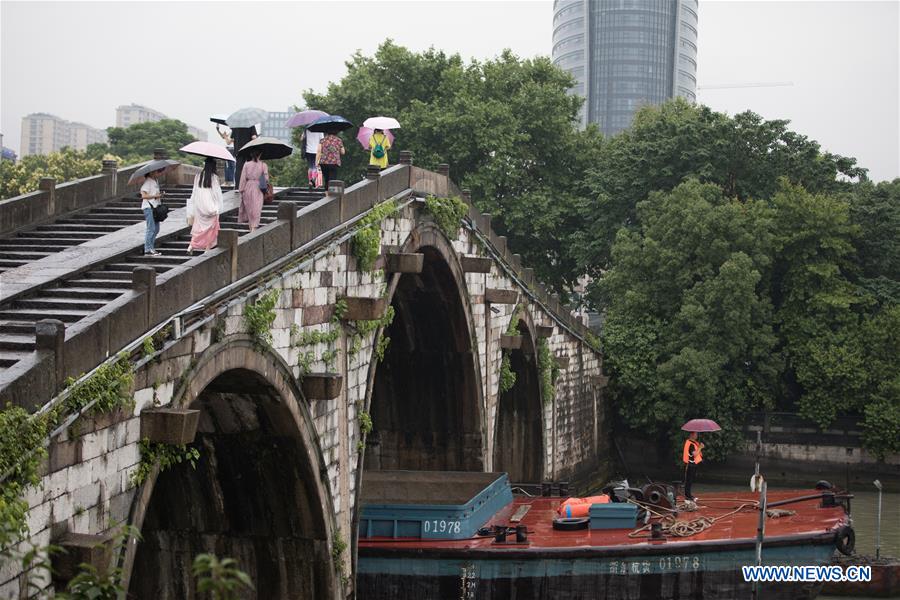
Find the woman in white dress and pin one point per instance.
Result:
(203, 208)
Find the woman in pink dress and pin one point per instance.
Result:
(204, 207)
(251, 194)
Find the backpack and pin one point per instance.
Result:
(378, 150)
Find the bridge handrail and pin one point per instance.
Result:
(92, 340)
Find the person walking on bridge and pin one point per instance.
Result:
(204, 207)
(692, 455)
(329, 156)
(379, 144)
(150, 195)
(254, 178)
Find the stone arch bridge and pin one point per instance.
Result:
(268, 355)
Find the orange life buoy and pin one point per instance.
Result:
(580, 507)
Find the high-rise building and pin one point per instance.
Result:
(132, 114)
(274, 126)
(625, 54)
(43, 133)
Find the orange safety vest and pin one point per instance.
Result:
(686, 455)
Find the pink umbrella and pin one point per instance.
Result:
(701, 425)
(207, 149)
(305, 117)
(365, 133)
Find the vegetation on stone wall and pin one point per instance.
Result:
(22, 439)
(548, 371)
(163, 455)
(447, 213)
(337, 557)
(19, 468)
(366, 242)
(109, 386)
(220, 578)
(507, 375)
(260, 315)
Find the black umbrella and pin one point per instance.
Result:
(154, 165)
(269, 146)
(330, 124)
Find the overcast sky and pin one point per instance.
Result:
(80, 60)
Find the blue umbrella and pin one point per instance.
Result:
(330, 124)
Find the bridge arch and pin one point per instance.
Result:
(519, 417)
(426, 398)
(258, 493)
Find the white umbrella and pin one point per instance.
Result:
(207, 149)
(381, 123)
(246, 117)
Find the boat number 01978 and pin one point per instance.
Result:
(441, 526)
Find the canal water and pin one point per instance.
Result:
(864, 508)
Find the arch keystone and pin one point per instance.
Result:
(510, 342)
(321, 386)
(497, 296)
(404, 262)
(176, 426)
(475, 264)
(364, 309)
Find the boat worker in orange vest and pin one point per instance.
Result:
(692, 456)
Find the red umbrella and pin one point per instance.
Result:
(701, 425)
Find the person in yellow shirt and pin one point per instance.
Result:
(379, 144)
(692, 455)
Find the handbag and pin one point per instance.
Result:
(269, 195)
(160, 212)
(263, 183)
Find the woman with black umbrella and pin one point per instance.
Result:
(254, 179)
(331, 148)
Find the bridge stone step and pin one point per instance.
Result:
(67, 235)
(83, 292)
(118, 224)
(16, 343)
(42, 242)
(9, 358)
(23, 256)
(69, 228)
(128, 267)
(36, 314)
(113, 285)
(25, 328)
(11, 264)
(163, 260)
(55, 302)
(39, 248)
(104, 274)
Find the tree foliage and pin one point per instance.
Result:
(506, 126)
(137, 142)
(24, 176)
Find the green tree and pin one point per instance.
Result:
(506, 126)
(688, 329)
(875, 209)
(136, 143)
(24, 176)
(745, 155)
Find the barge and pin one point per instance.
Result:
(433, 535)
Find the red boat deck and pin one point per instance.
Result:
(809, 519)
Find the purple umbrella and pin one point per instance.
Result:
(365, 133)
(207, 149)
(701, 425)
(305, 117)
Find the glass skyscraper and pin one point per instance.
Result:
(626, 53)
